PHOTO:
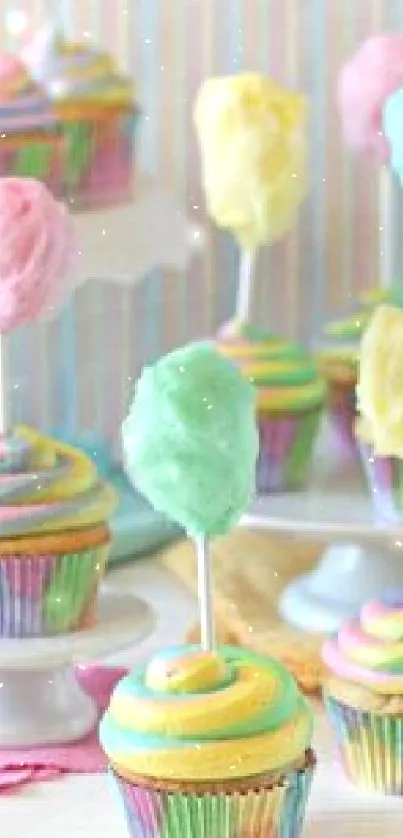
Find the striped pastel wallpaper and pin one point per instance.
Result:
(76, 374)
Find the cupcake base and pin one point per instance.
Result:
(285, 449)
(98, 160)
(342, 412)
(48, 583)
(36, 154)
(254, 808)
(370, 746)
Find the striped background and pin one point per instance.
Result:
(77, 373)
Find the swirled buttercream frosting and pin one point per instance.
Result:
(341, 338)
(77, 71)
(368, 651)
(193, 715)
(47, 486)
(285, 376)
(23, 104)
(190, 439)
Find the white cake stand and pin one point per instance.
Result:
(41, 702)
(154, 228)
(362, 559)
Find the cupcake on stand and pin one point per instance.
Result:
(369, 96)
(254, 154)
(54, 508)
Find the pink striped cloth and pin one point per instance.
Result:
(26, 765)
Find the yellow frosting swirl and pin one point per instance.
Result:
(192, 715)
(380, 382)
(254, 155)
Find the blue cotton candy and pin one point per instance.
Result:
(393, 130)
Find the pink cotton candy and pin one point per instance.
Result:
(373, 73)
(36, 247)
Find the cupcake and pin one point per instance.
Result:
(97, 116)
(210, 743)
(53, 536)
(30, 142)
(290, 400)
(364, 695)
(337, 354)
(379, 427)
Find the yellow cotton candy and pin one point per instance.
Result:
(380, 382)
(254, 155)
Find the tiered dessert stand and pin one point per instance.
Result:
(362, 559)
(41, 702)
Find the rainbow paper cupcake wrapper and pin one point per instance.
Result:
(385, 481)
(38, 156)
(268, 813)
(342, 412)
(370, 747)
(98, 159)
(285, 449)
(47, 594)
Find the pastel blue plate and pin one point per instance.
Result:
(137, 529)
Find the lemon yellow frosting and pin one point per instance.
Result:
(285, 376)
(380, 382)
(253, 145)
(193, 715)
(47, 486)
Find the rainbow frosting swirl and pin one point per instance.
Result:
(369, 651)
(284, 375)
(340, 344)
(46, 486)
(198, 716)
(77, 71)
(23, 105)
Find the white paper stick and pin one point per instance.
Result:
(5, 394)
(386, 229)
(205, 594)
(245, 286)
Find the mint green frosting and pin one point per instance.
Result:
(190, 439)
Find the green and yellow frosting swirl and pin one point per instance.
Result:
(338, 350)
(285, 376)
(198, 716)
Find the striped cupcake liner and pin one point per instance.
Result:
(285, 449)
(385, 480)
(48, 594)
(342, 412)
(98, 159)
(370, 746)
(37, 156)
(267, 813)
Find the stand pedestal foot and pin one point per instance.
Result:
(346, 576)
(43, 707)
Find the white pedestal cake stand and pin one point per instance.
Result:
(41, 701)
(363, 558)
(122, 244)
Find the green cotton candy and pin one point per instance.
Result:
(190, 439)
